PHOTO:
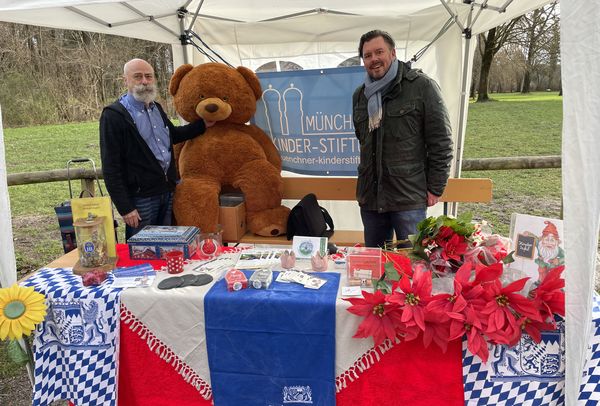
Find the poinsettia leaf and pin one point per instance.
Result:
(390, 272)
(382, 286)
(509, 259)
(439, 222)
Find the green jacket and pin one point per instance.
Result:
(410, 153)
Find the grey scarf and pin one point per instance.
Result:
(373, 91)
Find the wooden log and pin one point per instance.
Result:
(480, 164)
(507, 163)
(28, 178)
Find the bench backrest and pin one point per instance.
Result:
(458, 189)
(344, 189)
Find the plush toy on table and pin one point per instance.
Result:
(230, 153)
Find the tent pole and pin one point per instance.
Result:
(183, 37)
(8, 264)
(463, 104)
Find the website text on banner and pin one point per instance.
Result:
(308, 114)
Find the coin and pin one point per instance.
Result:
(170, 283)
(188, 280)
(202, 279)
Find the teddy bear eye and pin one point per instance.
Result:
(201, 97)
(225, 98)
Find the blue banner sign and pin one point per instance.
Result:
(308, 115)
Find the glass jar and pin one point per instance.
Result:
(210, 245)
(91, 241)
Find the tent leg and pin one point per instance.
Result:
(463, 106)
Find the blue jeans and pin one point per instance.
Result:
(380, 227)
(154, 210)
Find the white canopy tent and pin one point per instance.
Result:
(324, 31)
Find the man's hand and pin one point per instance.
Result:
(132, 219)
(432, 199)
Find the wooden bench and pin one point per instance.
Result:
(460, 190)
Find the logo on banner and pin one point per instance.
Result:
(308, 115)
(297, 394)
(528, 360)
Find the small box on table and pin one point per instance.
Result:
(364, 265)
(232, 216)
(153, 242)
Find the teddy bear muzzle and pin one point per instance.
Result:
(213, 109)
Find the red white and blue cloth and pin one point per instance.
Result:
(272, 346)
(76, 347)
(524, 375)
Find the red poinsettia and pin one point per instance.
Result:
(412, 298)
(437, 329)
(471, 323)
(381, 319)
(479, 308)
(454, 248)
(534, 328)
(401, 262)
(503, 303)
(550, 295)
(445, 233)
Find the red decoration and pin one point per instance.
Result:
(236, 280)
(480, 306)
(94, 277)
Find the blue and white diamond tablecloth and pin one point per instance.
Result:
(76, 347)
(531, 374)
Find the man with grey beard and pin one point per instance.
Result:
(136, 147)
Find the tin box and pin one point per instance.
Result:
(153, 242)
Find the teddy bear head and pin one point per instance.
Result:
(215, 92)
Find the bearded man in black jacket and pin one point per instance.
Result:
(136, 146)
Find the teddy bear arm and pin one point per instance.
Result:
(267, 145)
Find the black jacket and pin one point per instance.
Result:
(410, 153)
(129, 166)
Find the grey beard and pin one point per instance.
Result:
(144, 93)
(548, 254)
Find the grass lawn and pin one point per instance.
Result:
(513, 124)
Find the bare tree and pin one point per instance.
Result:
(489, 44)
(54, 76)
(536, 29)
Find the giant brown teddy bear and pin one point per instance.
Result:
(229, 153)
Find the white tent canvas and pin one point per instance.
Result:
(247, 32)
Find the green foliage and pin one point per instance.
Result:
(428, 229)
(391, 273)
(383, 286)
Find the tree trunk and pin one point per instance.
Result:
(486, 65)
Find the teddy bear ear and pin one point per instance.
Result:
(252, 80)
(177, 76)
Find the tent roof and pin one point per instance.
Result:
(233, 23)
